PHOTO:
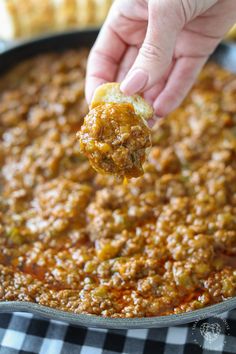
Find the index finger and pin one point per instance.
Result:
(104, 58)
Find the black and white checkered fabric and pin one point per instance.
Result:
(24, 333)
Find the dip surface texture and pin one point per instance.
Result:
(82, 242)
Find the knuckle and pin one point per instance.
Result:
(152, 52)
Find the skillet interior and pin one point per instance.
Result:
(225, 55)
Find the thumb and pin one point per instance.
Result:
(156, 52)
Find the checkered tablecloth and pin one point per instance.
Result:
(25, 333)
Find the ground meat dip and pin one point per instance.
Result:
(115, 139)
(78, 241)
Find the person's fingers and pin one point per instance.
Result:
(156, 52)
(179, 83)
(151, 94)
(151, 122)
(104, 59)
(91, 86)
(126, 62)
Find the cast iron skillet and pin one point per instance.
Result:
(225, 55)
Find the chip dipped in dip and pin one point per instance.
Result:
(115, 135)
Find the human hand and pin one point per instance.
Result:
(157, 47)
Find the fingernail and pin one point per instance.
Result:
(134, 82)
(151, 123)
(153, 120)
(159, 112)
